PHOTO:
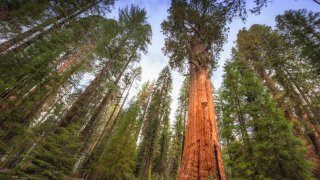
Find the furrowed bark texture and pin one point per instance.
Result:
(201, 157)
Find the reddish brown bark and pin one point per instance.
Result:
(67, 64)
(201, 157)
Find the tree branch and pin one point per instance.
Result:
(317, 1)
(192, 63)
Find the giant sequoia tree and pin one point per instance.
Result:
(194, 29)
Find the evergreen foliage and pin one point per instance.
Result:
(177, 140)
(279, 66)
(53, 157)
(300, 30)
(259, 140)
(156, 122)
(161, 159)
(189, 23)
(22, 21)
(118, 147)
(33, 76)
(67, 72)
(117, 161)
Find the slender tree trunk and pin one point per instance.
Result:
(86, 151)
(305, 99)
(120, 109)
(22, 98)
(103, 103)
(310, 125)
(201, 157)
(11, 159)
(38, 106)
(145, 108)
(98, 139)
(313, 147)
(67, 64)
(8, 93)
(87, 134)
(184, 129)
(103, 130)
(242, 123)
(77, 109)
(183, 140)
(145, 171)
(276, 93)
(52, 90)
(32, 33)
(11, 94)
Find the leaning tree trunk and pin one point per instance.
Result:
(100, 109)
(311, 151)
(39, 30)
(201, 157)
(313, 147)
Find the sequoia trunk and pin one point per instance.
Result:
(201, 157)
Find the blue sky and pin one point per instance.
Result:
(154, 60)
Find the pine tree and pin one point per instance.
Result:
(161, 155)
(110, 146)
(117, 161)
(156, 115)
(129, 80)
(128, 37)
(53, 158)
(279, 66)
(260, 143)
(39, 75)
(176, 145)
(40, 17)
(124, 45)
(129, 33)
(300, 29)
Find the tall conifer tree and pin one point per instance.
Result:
(260, 142)
(279, 65)
(156, 116)
(176, 146)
